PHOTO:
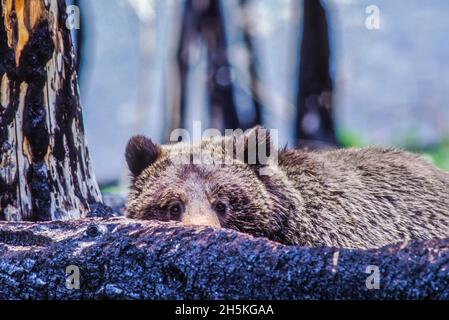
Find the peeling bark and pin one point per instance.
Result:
(120, 258)
(45, 171)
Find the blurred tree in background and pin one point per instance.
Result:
(314, 120)
(202, 24)
(253, 65)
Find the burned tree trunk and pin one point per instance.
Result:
(45, 171)
(120, 258)
(202, 23)
(253, 65)
(314, 126)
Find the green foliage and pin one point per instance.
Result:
(348, 139)
(114, 188)
(440, 154)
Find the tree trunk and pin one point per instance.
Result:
(118, 258)
(45, 171)
(253, 65)
(202, 23)
(315, 126)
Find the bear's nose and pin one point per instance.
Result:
(200, 215)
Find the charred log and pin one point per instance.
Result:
(119, 258)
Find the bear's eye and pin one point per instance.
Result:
(175, 209)
(220, 207)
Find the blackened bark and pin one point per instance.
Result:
(45, 170)
(315, 126)
(202, 23)
(128, 259)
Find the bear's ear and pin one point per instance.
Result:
(140, 153)
(257, 146)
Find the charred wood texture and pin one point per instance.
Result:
(128, 259)
(315, 125)
(45, 170)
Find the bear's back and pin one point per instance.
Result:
(369, 197)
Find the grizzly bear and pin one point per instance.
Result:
(353, 198)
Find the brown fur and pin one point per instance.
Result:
(355, 198)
